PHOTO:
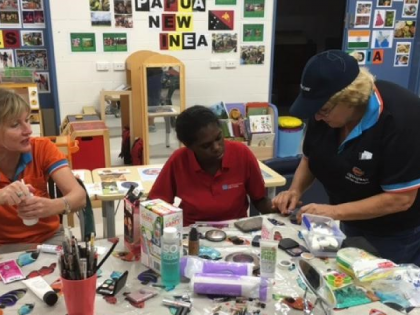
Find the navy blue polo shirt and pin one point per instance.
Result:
(381, 154)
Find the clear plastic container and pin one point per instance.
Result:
(322, 235)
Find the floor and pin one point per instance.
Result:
(158, 155)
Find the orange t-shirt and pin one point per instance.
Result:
(34, 168)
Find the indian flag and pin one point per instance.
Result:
(358, 39)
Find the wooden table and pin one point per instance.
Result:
(271, 178)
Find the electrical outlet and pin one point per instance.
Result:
(215, 63)
(230, 63)
(102, 66)
(119, 66)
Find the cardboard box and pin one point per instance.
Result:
(155, 215)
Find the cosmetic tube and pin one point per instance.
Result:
(42, 290)
(168, 302)
(231, 285)
(268, 258)
(191, 265)
(49, 248)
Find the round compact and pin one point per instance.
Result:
(215, 235)
(243, 257)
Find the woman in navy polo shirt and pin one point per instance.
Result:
(211, 176)
(362, 144)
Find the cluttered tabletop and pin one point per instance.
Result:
(302, 274)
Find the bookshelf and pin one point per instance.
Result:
(262, 144)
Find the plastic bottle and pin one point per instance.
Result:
(170, 257)
(30, 222)
(193, 242)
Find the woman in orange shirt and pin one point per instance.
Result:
(26, 164)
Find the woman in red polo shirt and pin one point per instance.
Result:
(211, 176)
(25, 166)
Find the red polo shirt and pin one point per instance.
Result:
(35, 168)
(206, 197)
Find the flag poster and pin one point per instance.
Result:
(221, 20)
(358, 39)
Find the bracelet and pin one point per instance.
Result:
(67, 208)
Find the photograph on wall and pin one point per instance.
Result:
(32, 5)
(100, 18)
(224, 42)
(254, 8)
(123, 13)
(382, 39)
(410, 10)
(9, 19)
(402, 54)
(358, 39)
(82, 42)
(405, 29)
(221, 20)
(252, 55)
(7, 58)
(9, 5)
(32, 58)
(225, 2)
(99, 5)
(253, 33)
(33, 19)
(32, 38)
(384, 3)
(384, 19)
(363, 14)
(42, 80)
(115, 42)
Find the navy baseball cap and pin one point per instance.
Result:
(324, 75)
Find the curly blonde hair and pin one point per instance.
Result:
(12, 105)
(358, 92)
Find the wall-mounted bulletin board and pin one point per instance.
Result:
(25, 46)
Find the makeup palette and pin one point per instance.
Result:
(215, 235)
(244, 257)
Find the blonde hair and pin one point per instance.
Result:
(358, 92)
(12, 105)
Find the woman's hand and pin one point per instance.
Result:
(36, 207)
(286, 201)
(319, 209)
(14, 194)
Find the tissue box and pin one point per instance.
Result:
(322, 235)
(155, 215)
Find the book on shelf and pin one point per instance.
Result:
(256, 108)
(236, 111)
(226, 128)
(262, 140)
(260, 123)
(219, 109)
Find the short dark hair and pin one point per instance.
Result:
(191, 120)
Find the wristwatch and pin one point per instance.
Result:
(67, 209)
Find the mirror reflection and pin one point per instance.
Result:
(163, 105)
(313, 280)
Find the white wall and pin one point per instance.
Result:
(79, 83)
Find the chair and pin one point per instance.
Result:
(85, 215)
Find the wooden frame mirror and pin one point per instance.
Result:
(158, 95)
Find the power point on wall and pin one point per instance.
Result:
(230, 63)
(119, 66)
(102, 66)
(215, 63)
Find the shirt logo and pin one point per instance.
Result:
(231, 186)
(356, 176)
(357, 171)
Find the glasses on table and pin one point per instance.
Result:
(43, 271)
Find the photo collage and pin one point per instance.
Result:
(23, 46)
(384, 24)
